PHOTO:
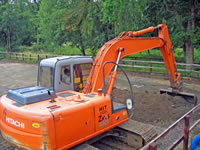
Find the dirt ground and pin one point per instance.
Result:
(156, 109)
(150, 107)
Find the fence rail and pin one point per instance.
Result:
(185, 137)
(24, 56)
(132, 64)
(154, 66)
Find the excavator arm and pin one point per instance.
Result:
(128, 43)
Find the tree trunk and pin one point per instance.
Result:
(188, 40)
(189, 52)
(188, 27)
(83, 51)
(38, 35)
(81, 43)
(8, 39)
(184, 47)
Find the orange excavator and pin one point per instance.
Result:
(60, 113)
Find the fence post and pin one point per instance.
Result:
(150, 65)
(16, 56)
(153, 146)
(30, 56)
(4, 55)
(133, 65)
(186, 133)
(46, 56)
(23, 56)
(38, 57)
(191, 67)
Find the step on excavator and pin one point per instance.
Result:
(71, 103)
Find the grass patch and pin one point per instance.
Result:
(155, 54)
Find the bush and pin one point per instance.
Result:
(67, 50)
(2, 49)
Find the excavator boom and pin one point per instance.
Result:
(131, 45)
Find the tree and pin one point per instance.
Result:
(34, 19)
(52, 23)
(76, 16)
(186, 17)
(15, 29)
(95, 31)
(124, 15)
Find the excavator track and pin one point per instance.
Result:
(137, 133)
(130, 135)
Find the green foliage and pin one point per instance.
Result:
(67, 50)
(124, 15)
(15, 29)
(2, 49)
(52, 24)
(49, 25)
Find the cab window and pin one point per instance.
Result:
(65, 75)
(46, 77)
(81, 73)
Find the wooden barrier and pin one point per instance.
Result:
(24, 56)
(152, 66)
(133, 64)
(152, 145)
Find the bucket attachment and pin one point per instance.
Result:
(189, 97)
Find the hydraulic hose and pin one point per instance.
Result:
(129, 82)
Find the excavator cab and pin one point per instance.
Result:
(52, 79)
(64, 73)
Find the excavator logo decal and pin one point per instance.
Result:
(104, 116)
(103, 109)
(12, 121)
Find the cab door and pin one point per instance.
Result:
(63, 80)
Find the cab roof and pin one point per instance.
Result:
(68, 59)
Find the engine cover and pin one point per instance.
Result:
(28, 95)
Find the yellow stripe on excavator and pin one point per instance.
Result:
(78, 80)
